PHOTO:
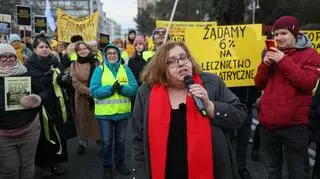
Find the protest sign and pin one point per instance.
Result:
(24, 15)
(177, 29)
(14, 89)
(232, 52)
(40, 24)
(104, 38)
(69, 26)
(314, 36)
(5, 24)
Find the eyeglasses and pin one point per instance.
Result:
(8, 58)
(112, 53)
(160, 32)
(174, 62)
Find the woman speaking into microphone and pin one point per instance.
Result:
(172, 137)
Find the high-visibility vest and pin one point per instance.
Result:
(99, 56)
(115, 104)
(146, 55)
(124, 55)
(73, 57)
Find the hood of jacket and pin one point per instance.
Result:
(303, 41)
(112, 66)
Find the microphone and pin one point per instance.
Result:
(188, 81)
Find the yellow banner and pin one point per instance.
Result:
(314, 36)
(69, 26)
(232, 52)
(178, 28)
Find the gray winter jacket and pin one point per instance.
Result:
(229, 115)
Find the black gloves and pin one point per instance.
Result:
(116, 87)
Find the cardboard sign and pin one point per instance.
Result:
(232, 52)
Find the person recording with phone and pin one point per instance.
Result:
(287, 75)
(182, 119)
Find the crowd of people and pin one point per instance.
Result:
(79, 89)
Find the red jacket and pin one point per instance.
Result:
(288, 88)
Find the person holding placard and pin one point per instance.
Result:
(287, 75)
(19, 126)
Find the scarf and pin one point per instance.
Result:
(16, 70)
(199, 135)
(88, 59)
(19, 52)
(39, 66)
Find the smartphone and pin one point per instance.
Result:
(270, 43)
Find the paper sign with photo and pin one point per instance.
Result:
(15, 89)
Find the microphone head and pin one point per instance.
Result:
(188, 80)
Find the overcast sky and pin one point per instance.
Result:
(122, 11)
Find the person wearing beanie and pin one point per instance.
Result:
(287, 75)
(23, 53)
(128, 43)
(19, 119)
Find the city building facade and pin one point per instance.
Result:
(76, 8)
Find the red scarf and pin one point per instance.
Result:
(199, 135)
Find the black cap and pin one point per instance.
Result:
(132, 32)
(76, 38)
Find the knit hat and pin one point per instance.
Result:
(13, 37)
(76, 38)
(287, 22)
(7, 49)
(157, 29)
(132, 32)
(139, 39)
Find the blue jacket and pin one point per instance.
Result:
(100, 92)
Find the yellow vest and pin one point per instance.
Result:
(124, 55)
(146, 55)
(115, 104)
(100, 57)
(73, 57)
